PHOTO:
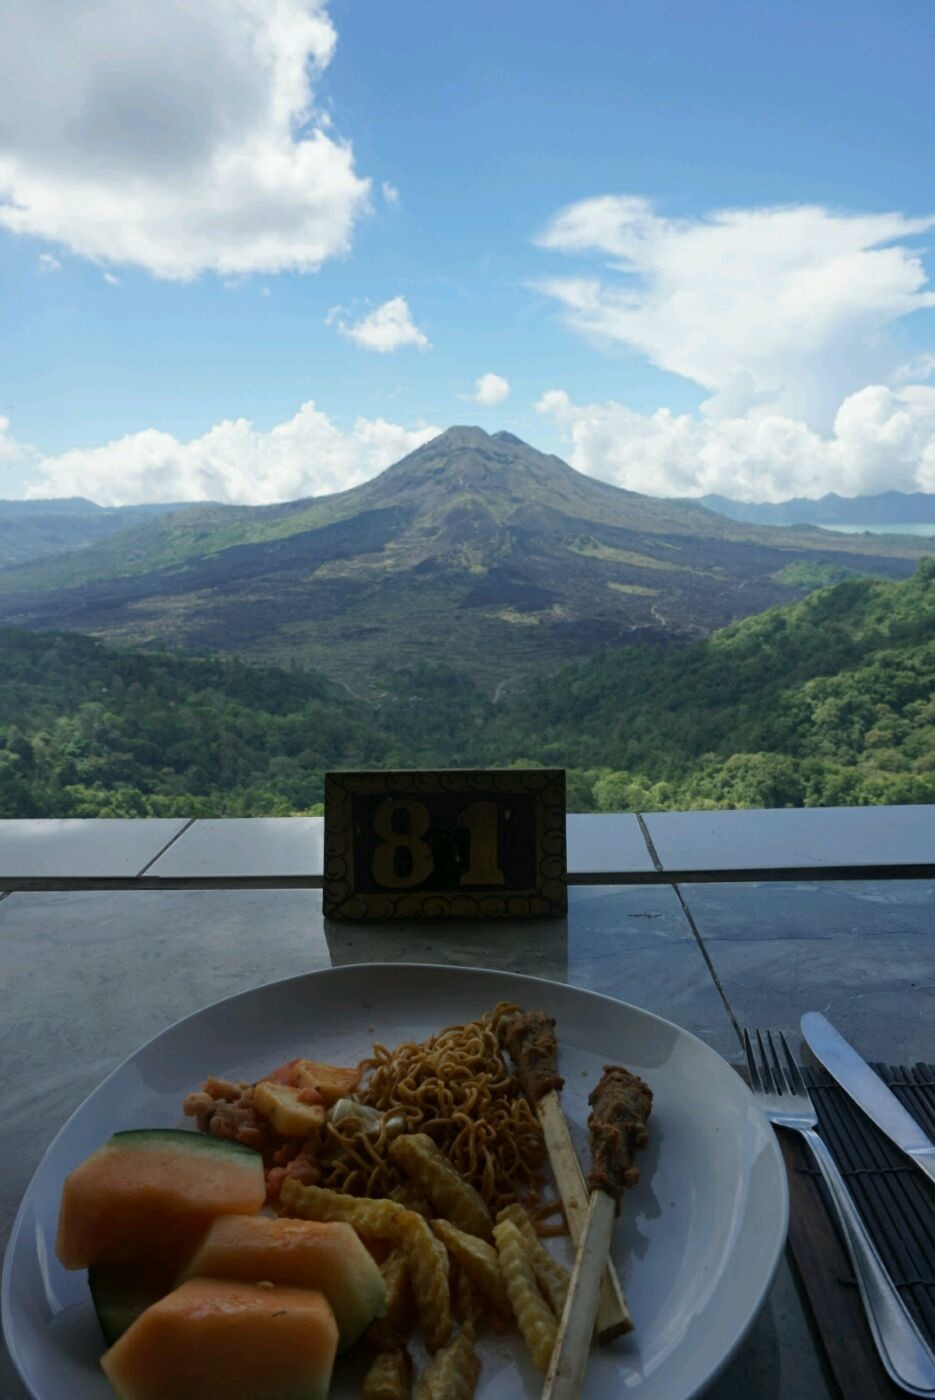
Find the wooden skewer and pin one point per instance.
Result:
(572, 1345)
(613, 1315)
(529, 1039)
(621, 1104)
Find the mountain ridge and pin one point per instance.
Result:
(475, 547)
(883, 508)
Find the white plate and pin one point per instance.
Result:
(696, 1247)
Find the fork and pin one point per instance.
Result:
(786, 1102)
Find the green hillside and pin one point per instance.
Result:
(827, 701)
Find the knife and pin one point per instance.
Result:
(867, 1090)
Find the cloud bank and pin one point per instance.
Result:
(783, 316)
(882, 439)
(174, 136)
(235, 462)
(387, 328)
(787, 306)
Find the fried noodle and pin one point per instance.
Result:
(456, 1088)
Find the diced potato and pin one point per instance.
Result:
(331, 1081)
(280, 1103)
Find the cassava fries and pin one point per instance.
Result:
(469, 1303)
(428, 1268)
(379, 1219)
(452, 1196)
(390, 1376)
(551, 1276)
(411, 1198)
(389, 1331)
(478, 1259)
(452, 1374)
(536, 1319)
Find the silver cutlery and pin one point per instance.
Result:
(868, 1090)
(784, 1096)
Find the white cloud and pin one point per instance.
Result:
(10, 449)
(48, 263)
(234, 462)
(491, 389)
(178, 137)
(787, 306)
(390, 193)
(914, 371)
(111, 280)
(387, 328)
(882, 439)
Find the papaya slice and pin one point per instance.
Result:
(325, 1255)
(153, 1193)
(214, 1339)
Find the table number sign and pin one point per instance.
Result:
(460, 844)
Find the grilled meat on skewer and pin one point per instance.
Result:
(621, 1104)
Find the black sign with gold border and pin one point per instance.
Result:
(458, 843)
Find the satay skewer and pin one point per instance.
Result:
(530, 1041)
(621, 1105)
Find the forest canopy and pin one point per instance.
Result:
(829, 701)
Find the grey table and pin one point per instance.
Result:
(90, 974)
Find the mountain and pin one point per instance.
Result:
(35, 529)
(823, 702)
(887, 508)
(474, 550)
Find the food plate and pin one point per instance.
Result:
(698, 1240)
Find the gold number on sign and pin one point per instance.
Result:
(480, 818)
(385, 857)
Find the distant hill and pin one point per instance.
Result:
(824, 702)
(887, 508)
(827, 702)
(35, 529)
(475, 550)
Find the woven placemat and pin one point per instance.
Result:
(897, 1203)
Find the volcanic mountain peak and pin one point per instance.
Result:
(501, 469)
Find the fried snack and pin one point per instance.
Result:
(621, 1104)
(469, 1305)
(394, 1327)
(452, 1196)
(452, 1375)
(428, 1268)
(456, 1088)
(411, 1198)
(379, 1219)
(478, 1259)
(536, 1320)
(529, 1040)
(390, 1376)
(551, 1276)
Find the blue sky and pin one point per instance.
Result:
(195, 229)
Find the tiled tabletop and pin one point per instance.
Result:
(658, 847)
(801, 838)
(102, 848)
(602, 846)
(244, 847)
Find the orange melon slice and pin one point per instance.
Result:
(213, 1339)
(302, 1253)
(153, 1193)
